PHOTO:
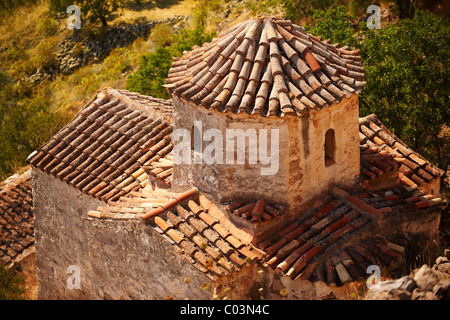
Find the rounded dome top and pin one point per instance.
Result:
(266, 66)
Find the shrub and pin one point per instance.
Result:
(45, 57)
(48, 27)
(154, 66)
(407, 73)
(22, 68)
(334, 24)
(11, 285)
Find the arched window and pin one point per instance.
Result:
(330, 148)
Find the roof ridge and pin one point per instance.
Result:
(100, 151)
(305, 72)
(382, 151)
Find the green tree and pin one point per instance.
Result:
(91, 9)
(296, 10)
(154, 66)
(334, 24)
(407, 73)
(100, 9)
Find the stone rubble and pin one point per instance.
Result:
(73, 52)
(424, 283)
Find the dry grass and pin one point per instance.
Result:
(22, 25)
(153, 10)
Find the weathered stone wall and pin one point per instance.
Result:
(226, 182)
(129, 260)
(60, 234)
(116, 259)
(302, 174)
(317, 178)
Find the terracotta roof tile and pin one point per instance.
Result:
(256, 212)
(100, 152)
(299, 249)
(16, 218)
(181, 219)
(298, 62)
(382, 152)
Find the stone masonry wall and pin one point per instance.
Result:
(224, 181)
(317, 178)
(115, 259)
(129, 260)
(60, 235)
(302, 174)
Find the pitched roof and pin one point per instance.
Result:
(205, 237)
(106, 150)
(298, 246)
(16, 217)
(266, 66)
(202, 233)
(382, 151)
(351, 263)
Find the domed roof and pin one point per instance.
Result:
(266, 66)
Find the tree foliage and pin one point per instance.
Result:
(90, 9)
(299, 9)
(154, 66)
(26, 122)
(407, 73)
(334, 24)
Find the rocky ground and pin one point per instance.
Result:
(77, 50)
(423, 283)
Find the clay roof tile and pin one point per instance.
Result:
(258, 45)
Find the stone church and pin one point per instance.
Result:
(257, 179)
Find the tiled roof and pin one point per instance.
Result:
(266, 66)
(16, 217)
(109, 148)
(351, 263)
(295, 248)
(257, 212)
(204, 237)
(382, 151)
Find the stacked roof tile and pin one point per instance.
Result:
(206, 239)
(296, 248)
(269, 67)
(382, 151)
(16, 217)
(256, 212)
(351, 263)
(105, 149)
